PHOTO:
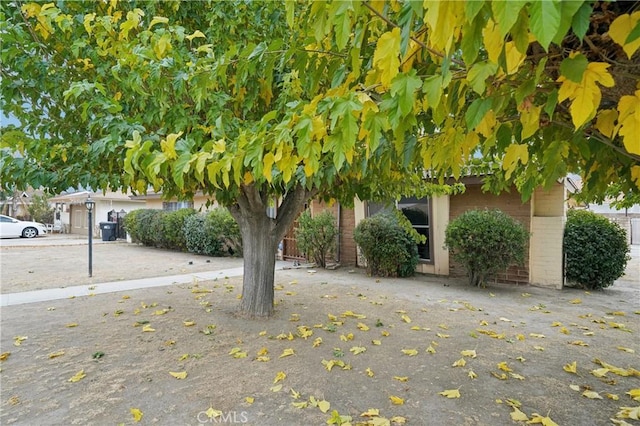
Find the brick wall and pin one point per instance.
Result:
(348, 250)
(508, 202)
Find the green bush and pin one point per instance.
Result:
(596, 250)
(39, 209)
(389, 249)
(172, 225)
(316, 236)
(214, 234)
(485, 242)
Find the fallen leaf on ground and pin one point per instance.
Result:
(634, 394)
(281, 375)
(249, 399)
(469, 353)
(77, 377)
(519, 416)
(472, 375)
(396, 400)
(147, 328)
(137, 414)
(369, 372)
(571, 368)
(451, 393)
(4, 356)
(181, 375)
(459, 363)
(18, 340)
(56, 354)
(287, 352)
(591, 394)
(410, 352)
(401, 378)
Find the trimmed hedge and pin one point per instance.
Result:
(389, 249)
(596, 250)
(215, 233)
(158, 228)
(485, 242)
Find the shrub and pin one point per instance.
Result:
(486, 241)
(213, 234)
(172, 224)
(39, 209)
(132, 225)
(316, 236)
(389, 249)
(596, 250)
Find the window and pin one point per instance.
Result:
(418, 211)
(172, 206)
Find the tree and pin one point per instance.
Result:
(252, 102)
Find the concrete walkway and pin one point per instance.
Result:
(112, 287)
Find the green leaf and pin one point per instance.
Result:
(432, 87)
(404, 87)
(582, 20)
(289, 7)
(476, 112)
(545, 20)
(574, 68)
(567, 11)
(505, 13)
(472, 8)
(634, 34)
(478, 75)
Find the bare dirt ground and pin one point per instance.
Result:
(276, 371)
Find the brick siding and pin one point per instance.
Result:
(508, 202)
(348, 249)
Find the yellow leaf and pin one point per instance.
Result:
(249, 399)
(17, 341)
(324, 406)
(634, 394)
(71, 325)
(369, 372)
(514, 59)
(77, 377)
(612, 396)
(410, 352)
(287, 352)
(472, 375)
(459, 363)
(362, 326)
(499, 376)
(504, 367)
(544, 421)
(629, 413)
(585, 96)
(442, 335)
(620, 29)
(4, 356)
(356, 350)
(516, 376)
(629, 119)
(276, 388)
(181, 375)
(538, 335)
(188, 323)
(470, 353)
(137, 414)
(591, 394)
(371, 412)
(605, 122)
(493, 40)
(575, 387)
(196, 33)
(406, 318)
(556, 324)
(301, 404)
(281, 375)
(147, 328)
(431, 350)
(386, 56)
(600, 372)
(376, 342)
(56, 354)
(385, 333)
(212, 413)
(519, 416)
(396, 400)
(451, 393)
(401, 379)
(398, 420)
(578, 343)
(571, 368)
(575, 301)
(317, 342)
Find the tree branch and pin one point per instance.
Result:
(291, 206)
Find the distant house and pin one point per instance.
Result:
(71, 216)
(628, 219)
(155, 200)
(543, 215)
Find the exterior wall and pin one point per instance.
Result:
(547, 227)
(508, 202)
(346, 219)
(439, 222)
(199, 203)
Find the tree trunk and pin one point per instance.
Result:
(260, 237)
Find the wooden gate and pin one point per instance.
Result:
(290, 249)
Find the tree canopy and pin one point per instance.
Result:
(249, 101)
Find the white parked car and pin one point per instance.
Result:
(10, 228)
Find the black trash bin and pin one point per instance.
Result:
(108, 230)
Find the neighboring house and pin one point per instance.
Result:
(154, 200)
(543, 215)
(628, 219)
(17, 204)
(71, 214)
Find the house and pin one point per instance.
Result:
(155, 200)
(543, 215)
(71, 215)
